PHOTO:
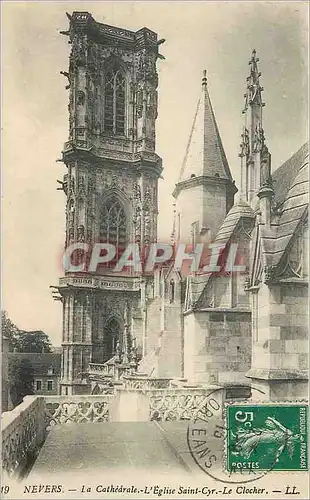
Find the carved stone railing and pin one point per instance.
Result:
(24, 429)
(76, 409)
(122, 283)
(23, 432)
(111, 369)
(177, 404)
(143, 382)
(101, 369)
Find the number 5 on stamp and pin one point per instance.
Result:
(266, 436)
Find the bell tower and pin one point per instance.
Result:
(110, 186)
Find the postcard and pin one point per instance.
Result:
(155, 250)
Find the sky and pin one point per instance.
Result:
(216, 36)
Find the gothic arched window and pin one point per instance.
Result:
(114, 102)
(113, 223)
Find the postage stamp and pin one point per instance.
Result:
(267, 436)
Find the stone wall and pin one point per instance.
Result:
(209, 209)
(280, 340)
(171, 352)
(153, 324)
(164, 335)
(217, 346)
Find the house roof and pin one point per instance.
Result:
(40, 362)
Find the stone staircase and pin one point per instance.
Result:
(104, 377)
(145, 373)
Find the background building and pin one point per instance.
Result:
(45, 370)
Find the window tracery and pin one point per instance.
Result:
(113, 226)
(114, 102)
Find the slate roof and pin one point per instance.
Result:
(284, 175)
(291, 186)
(205, 154)
(40, 362)
(195, 287)
(293, 194)
(239, 210)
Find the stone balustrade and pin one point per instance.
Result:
(181, 403)
(76, 409)
(23, 432)
(142, 382)
(101, 368)
(24, 429)
(111, 370)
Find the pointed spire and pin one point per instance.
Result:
(204, 155)
(253, 93)
(254, 154)
(204, 79)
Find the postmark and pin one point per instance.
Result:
(242, 441)
(267, 436)
(207, 435)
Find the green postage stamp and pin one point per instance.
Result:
(267, 436)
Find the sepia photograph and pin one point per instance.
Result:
(155, 249)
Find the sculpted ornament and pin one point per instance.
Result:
(259, 138)
(245, 144)
(146, 68)
(139, 102)
(81, 234)
(91, 186)
(71, 212)
(81, 190)
(270, 273)
(79, 51)
(137, 212)
(151, 107)
(71, 234)
(80, 97)
(72, 186)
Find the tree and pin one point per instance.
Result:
(11, 331)
(23, 341)
(35, 341)
(21, 378)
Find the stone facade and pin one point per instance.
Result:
(110, 185)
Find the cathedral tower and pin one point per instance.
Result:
(110, 185)
(205, 190)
